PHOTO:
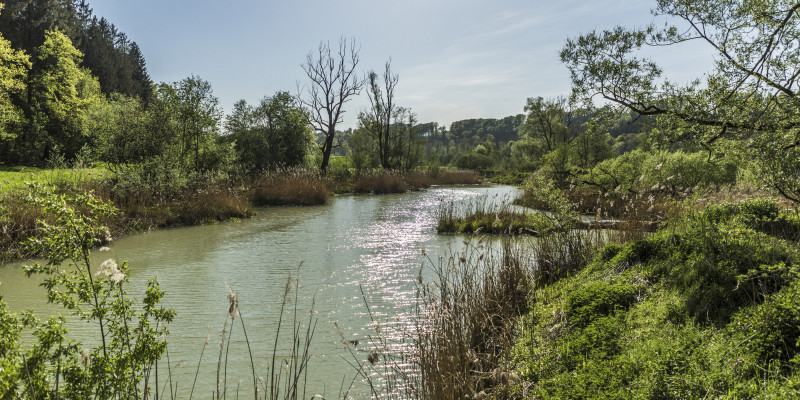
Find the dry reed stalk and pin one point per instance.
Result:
(462, 335)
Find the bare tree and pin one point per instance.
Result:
(379, 119)
(333, 82)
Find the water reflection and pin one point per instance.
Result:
(372, 243)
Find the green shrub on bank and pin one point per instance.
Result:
(638, 171)
(129, 337)
(708, 307)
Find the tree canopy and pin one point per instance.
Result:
(749, 99)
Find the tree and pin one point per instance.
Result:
(14, 67)
(59, 96)
(378, 119)
(749, 100)
(120, 130)
(198, 117)
(275, 134)
(334, 82)
(363, 151)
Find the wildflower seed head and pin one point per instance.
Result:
(233, 308)
(110, 269)
(86, 357)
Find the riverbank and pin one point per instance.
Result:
(707, 307)
(195, 200)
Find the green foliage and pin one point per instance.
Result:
(276, 134)
(640, 171)
(14, 67)
(61, 94)
(707, 307)
(754, 45)
(475, 161)
(130, 335)
(122, 134)
(541, 193)
(597, 299)
(363, 151)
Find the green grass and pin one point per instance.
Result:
(15, 178)
(708, 307)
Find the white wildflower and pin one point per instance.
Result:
(110, 269)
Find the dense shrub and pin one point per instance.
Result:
(708, 307)
(638, 171)
(474, 161)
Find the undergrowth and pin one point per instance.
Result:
(708, 307)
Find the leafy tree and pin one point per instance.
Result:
(273, 135)
(334, 82)
(750, 98)
(197, 116)
(14, 67)
(121, 132)
(547, 124)
(59, 95)
(115, 60)
(363, 150)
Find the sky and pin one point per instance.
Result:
(456, 59)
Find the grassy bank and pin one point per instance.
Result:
(157, 199)
(707, 307)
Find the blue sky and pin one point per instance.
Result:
(456, 59)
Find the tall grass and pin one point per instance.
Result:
(380, 182)
(290, 187)
(285, 377)
(483, 214)
(460, 343)
(456, 177)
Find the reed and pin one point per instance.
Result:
(460, 344)
(380, 182)
(456, 177)
(290, 187)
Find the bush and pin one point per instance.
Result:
(598, 299)
(475, 161)
(639, 171)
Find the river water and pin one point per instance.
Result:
(355, 243)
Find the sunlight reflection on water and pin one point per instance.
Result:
(355, 243)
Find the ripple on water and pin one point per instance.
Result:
(355, 243)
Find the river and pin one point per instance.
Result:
(356, 241)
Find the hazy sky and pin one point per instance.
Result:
(456, 59)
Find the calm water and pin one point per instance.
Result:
(372, 242)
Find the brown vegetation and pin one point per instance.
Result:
(290, 187)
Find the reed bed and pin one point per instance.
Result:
(484, 215)
(461, 340)
(456, 177)
(290, 187)
(380, 182)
